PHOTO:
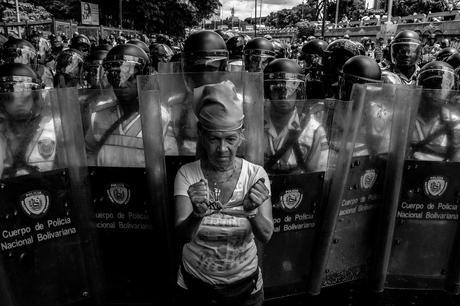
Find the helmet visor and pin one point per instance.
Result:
(405, 53)
(18, 84)
(121, 73)
(282, 89)
(437, 79)
(204, 64)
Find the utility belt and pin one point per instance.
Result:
(223, 294)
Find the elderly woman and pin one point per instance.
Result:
(222, 203)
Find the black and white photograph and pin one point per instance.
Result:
(229, 152)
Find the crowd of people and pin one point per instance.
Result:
(222, 201)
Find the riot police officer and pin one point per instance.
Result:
(141, 45)
(445, 53)
(115, 136)
(27, 137)
(436, 136)
(160, 53)
(294, 141)
(280, 49)
(235, 47)
(94, 74)
(81, 43)
(69, 69)
(19, 51)
(359, 69)
(335, 55)
(258, 53)
(405, 54)
(430, 50)
(445, 43)
(205, 53)
(312, 55)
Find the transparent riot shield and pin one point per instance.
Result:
(170, 67)
(296, 159)
(419, 240)
(118, 185)
(360, 141)
(168, 99)
(47, 246)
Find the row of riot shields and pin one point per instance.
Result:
(362, 191)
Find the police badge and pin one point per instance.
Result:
(435, 186)
(46, 147)
(35, 203)
(119, 193)
(368, 179)
(291, 199)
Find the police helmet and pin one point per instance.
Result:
(160, 53)
(140, 44)
(268, 37)
(15, 77)
(454, 60)
(122, 64)
(81, 43)
(106, 47)
(258, 52)
(235, 46)
(312, 53)
(93, 70)
(69, 69)
(445, 53)
(204, 51)
(283, 80)
(337, 53)
(437, 75)
(359, 69)
(405, 49)
(17, 50)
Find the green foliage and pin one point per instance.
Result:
(27, 12)
(305, 29)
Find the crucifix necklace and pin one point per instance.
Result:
(216, 187)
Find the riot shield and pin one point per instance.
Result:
(296, 158)
(170, 97)
(360, 138)
(419, 240)
(47, 246)
(123, 211)
(170, 67)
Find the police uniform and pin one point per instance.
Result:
(393, 75)
(311, 141)
(39, 154)
(123, 147)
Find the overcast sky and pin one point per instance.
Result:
(245, 8)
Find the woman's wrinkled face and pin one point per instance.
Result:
(221, 147)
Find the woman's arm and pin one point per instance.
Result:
(186, 222)
(262, 222)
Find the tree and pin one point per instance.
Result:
(153, 16)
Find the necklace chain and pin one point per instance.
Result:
(216, 189)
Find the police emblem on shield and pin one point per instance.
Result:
(291, 199)
(46, 147)
(435, 186)
(35, 203)
(119, 193)
(368, 179)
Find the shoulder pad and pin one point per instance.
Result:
(389, 77)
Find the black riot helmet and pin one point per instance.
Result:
(81, 43)
(454, 60)
(406, 49)
(437, 75)
(359, 69)
(258, 53)
(69, 69)
(235, 46)
(19, 51)
(160, 53)
(204, 51)
(445, 53)
(93, 71)
(20, 80)
(312, 53)
(141, 45)
(122, 65)
(336, 54)
(284, 84)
